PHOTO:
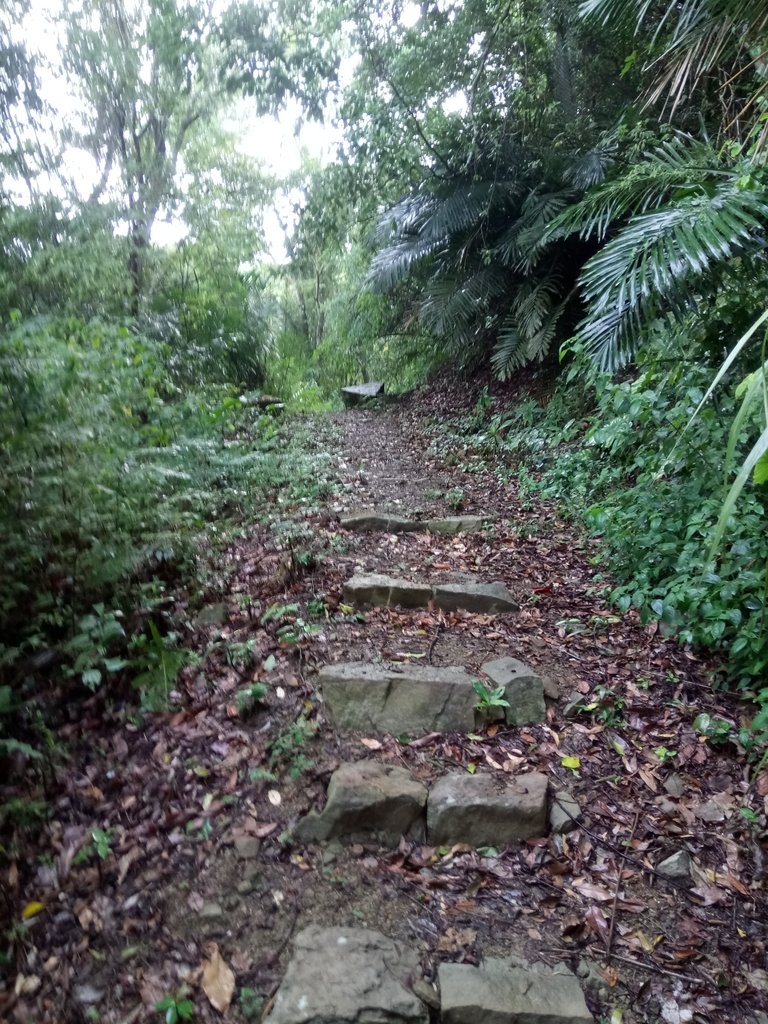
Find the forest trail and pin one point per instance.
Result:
(223, 860)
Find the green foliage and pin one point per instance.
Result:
(288, 751)
(488, 698)
(175, 1008)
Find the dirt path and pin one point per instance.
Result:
(200, 803)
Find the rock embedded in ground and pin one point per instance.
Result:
(523, 689)
(481, 598)
(564, 812)
(386, 592)
(247, 847)
(485, 810)
(678, 866)
(213, 615)
(452, 525)
(348, 976)
(396, 699)
(384, 522)
(371, 522)
(368, 797)
(498, 993)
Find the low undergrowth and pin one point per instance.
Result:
(119, 490)
(626, 460)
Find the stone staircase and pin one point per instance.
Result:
(359, 976)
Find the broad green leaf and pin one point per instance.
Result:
(571, 761)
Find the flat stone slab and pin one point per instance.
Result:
(373, 522)
(387, 592)
(523, 689)
(455, 524)
(395, 698)
(483, 598)
(497, 992)
(564, 813)
(367, 797)
(485, 810)
(355, 394)
(348, 976)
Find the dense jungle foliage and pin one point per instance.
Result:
(580, 189)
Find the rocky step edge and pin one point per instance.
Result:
(382, 522)
(369, 798)
(357, 976)
(381, 591)
(396, 698)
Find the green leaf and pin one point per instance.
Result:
(91, 678)
(571, 761)
(760, 473)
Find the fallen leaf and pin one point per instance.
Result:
(571, 762)
(456, 940)
(218, 981)
(371, 744)
(274, 797)
(31, 910)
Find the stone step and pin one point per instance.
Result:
(398, 698)
(486, 810)
(349, 976)
(368, 798)
(504, 993)
(387, 592)
(359, 976)
(371, 522)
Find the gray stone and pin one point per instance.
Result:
(483, 598)
(247, 847)
(370, 522)
(368, 797)
(356, 394)
(452, 525)
(496, 993)
(674, 785)
(564, 813)
(210, 911)
(710, 810)
(551, 689)
(485, 810)
(523, 689)
(386, 592)
(348, 976)
(213, 615)
(426, 993)
(395, 698)
(678, 866)
(574, 704)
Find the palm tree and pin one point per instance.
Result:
(486, 276)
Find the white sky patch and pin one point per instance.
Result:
(456, 104)
(279, 143)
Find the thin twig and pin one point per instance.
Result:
(432, 645)
(619, 870)
(654, 968)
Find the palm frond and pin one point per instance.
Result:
(392, 265)
(589, 169)
(520, 245)
(453, 304)
(654, 258)
(680, 164)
